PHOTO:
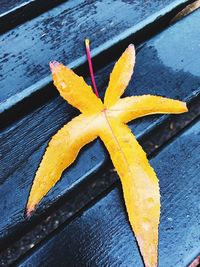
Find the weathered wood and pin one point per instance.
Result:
(6, 6)
(101, 236)
(59, 33)
(15, 12)
(166, 65)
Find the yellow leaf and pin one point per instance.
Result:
(139, 184)
(120, 76)
(60, 153)
(130, 108)
(107, 121)
(74, 89)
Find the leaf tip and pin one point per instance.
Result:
(185, 106)
(131, 48)
(182, 107)
(54, 66)
(29, 211)
(148, 250)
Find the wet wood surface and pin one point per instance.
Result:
(101, 236)
(58, 34)
(31, 110)
(160, 70)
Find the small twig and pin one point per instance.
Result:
(87, 45)
(186, 11)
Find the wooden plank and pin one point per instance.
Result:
(22, 144)
(59, 34)
(5, 5)
(101, 236)
(15, 12)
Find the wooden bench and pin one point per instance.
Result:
(101, 236)
(88, 201)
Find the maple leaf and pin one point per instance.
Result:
(108, 121)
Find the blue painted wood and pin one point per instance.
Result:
(101, 236)
(14, 12)
(5, 5)
(59, 33)
(166, 65)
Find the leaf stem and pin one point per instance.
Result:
(87, 46)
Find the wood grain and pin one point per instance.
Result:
(15, 12)
(9, 5)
